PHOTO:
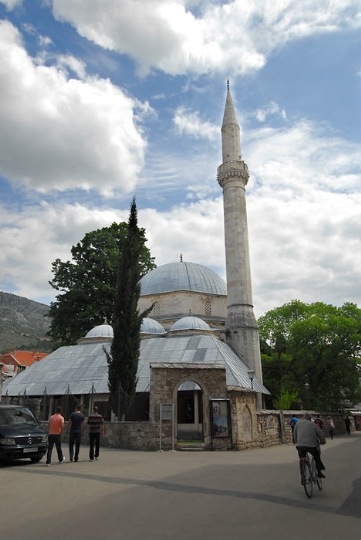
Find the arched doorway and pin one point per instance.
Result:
(190, 412)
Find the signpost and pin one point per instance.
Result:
(166, 413)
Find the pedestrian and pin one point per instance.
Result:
(56, 426)
(96, 429)
(319, 422)
(293, 421)
(348, 425)
(307, 437)
(76, 424)
(331, 426)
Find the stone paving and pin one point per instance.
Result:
(197, 495)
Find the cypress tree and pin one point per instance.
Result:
(124, 352)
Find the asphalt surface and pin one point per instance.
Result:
(183, 495)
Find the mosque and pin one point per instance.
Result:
(200, 350)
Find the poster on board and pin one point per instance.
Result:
(220, 418)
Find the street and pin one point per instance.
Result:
(183, 495)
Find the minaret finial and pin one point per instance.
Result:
(181, 258)
(228, 85)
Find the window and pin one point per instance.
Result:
(156, 309)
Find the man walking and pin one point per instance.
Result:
(96, 428)
(76, 423)
(56, 426)
(307, 437)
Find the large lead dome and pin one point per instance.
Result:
(182, 276)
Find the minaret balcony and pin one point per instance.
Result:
(232, 170)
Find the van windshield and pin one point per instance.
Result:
(10, 417)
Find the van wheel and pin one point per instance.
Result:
(36, 459)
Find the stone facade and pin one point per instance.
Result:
(169, 307)
(166, 379)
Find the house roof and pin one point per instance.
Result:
(23, 358)
(83, 368)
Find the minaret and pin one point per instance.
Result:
(241, 325)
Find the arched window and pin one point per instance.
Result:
(208, 309)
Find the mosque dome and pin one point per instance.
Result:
(101, 331)
(150, 326)
(190, 323)
(182, 276)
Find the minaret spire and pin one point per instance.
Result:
(231, 138)
(241, 325)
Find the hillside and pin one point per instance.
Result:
(23, 324)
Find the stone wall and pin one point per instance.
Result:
(250, 429)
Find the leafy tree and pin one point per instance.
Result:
(87, 284)
(315, 351)
(285, 399)
(124, 351)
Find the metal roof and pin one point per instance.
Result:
(182, 276)
(151, 326)
(103, 330)
(190, 323)
(79, 368)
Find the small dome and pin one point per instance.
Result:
(182, 276)
(101, 331)
(150, 326)
(190, 323)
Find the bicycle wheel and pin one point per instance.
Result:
(307, 479)
(315, 475)
(317, 480)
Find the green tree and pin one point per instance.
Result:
(315, 351)
(87, 284)
(124, 352)
(285, 399)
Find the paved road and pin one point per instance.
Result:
(183, 496)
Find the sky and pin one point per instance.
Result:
(102, 100)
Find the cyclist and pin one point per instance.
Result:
(307, 437)
(319, 422)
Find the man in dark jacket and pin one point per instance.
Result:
(307, 437)
(96, 428)
(76, 423)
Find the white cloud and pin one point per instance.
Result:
(60, 133)
(271, 109)
(44, 41)
(303, 155)
(68, 62)
(180, 36)
(11, 4)
(62, 129)
(189, 123)
(304, 220)
(303, 249)
(194, 230)
(33, 238)
(304, 227)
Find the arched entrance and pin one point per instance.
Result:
(190, 412)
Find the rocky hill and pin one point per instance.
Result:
(23, 324)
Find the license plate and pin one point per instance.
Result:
(29, 450)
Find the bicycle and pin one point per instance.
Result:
(309, 475)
